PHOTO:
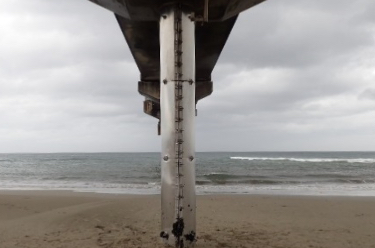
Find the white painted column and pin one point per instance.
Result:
(177, 103)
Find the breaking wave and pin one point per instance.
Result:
(310, 160)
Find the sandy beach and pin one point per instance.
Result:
(61, 219)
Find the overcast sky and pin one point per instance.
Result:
(294, 75)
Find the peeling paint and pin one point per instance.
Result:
(164, 235)
(191, 236)
(178, 228)
(181, 243)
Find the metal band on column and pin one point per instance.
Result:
(177, 102)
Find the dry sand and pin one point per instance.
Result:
(48, 219)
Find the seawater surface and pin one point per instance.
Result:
(290, 173)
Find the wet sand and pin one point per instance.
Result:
(49, 219)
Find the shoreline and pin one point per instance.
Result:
(45, 219)
(282, 193)
(65, 192)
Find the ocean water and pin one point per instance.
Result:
(287, 173)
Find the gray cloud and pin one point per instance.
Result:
(368, 93)
(298, 33)
(295, 75)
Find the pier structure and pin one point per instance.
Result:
(176, 45)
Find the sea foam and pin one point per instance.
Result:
(311, 160)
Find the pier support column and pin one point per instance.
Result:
(177, 104)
